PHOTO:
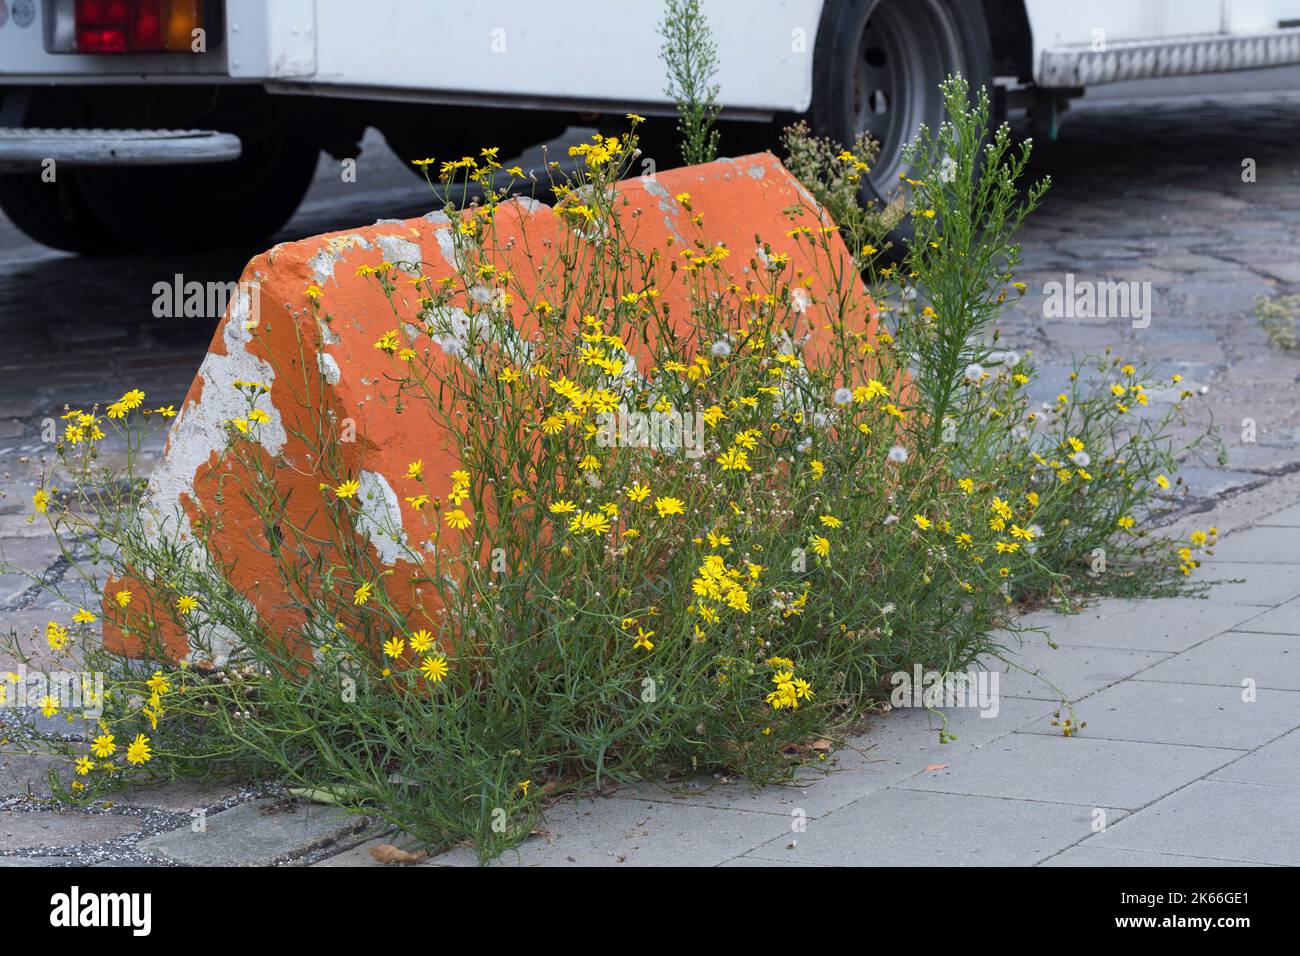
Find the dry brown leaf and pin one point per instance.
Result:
(388, 854)
(936, 766)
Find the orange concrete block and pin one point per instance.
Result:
(275, 338)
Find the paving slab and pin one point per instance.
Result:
(1200, 715)
(1077, 670)
(1270, 660)
(22, 773)
(1082, 771)
(1260, 584)
(915, 828)
(1290, 518)
(177, 796)
(1262, 545)
(1163, 624)
(1284, 619)
(1229, 821)
(46, 829)
(604, 832)
(1087, 854)
(896, 746)
(258, 833)
(1276, 764)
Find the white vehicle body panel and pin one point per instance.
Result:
(597, 53)
(604, 54)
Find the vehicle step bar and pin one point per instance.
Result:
(25, 148)
(1084, 65)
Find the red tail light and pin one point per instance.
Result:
(137, 26)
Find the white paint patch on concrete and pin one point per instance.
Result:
(322, 264)
(199, 428)
(380, 517)
(401, 252)
(329, 367)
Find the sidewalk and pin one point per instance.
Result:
(1174, 766)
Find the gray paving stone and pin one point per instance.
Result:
(1270, 660)
(915, 828)
(1276, 764)
(603, 832)
(1199, 715)
(1284, 619)
(1229, 821)
(1212, 482)
(42, 829)
(1077, 770)
(29, 773)
(258, 833)
(1087, 854)
(177, 796)
(1260, 584)
(895, 747)
(34, 861)
(1290, 518)
(1165, 624)
(1077, 670)
(1262, 545)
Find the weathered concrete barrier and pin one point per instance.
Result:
(272, 335)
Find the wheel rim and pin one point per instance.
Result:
(906, 49)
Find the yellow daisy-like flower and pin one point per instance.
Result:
(138, 752)
(394, 646)
(186, 604)
(362, 594)
(456, 518)
(434, 669)
(84, 766)
(638, 492)
(669, 506)
(820, 545)
(347, 489)
(830, 521)
(421, 640)
(123, 597)
(922, 522)
(103, 746)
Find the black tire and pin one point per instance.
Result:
(209, 205)
(55, 214)
(877, 67)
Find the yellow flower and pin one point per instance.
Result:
(434, 669)
(418, 501)
(734, 459)
(818, 469)
(84, 765)
(922, 522)
(103, 746)
(49, 706)
(457, 519)
(83, 617)
(421, 640)
(1163, 482)
(313, 292)
(563, 507)
(669, 506)
(830, 521)
(820, 545)
(123, 597)
(415, 469)
(347, 489)
(362, 594)
(394, 646)
(187, 604)
(643, 639)
(56, 635)
(41, 501)
(638, 492)
(138, 752)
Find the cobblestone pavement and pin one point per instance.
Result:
(1174, 763)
